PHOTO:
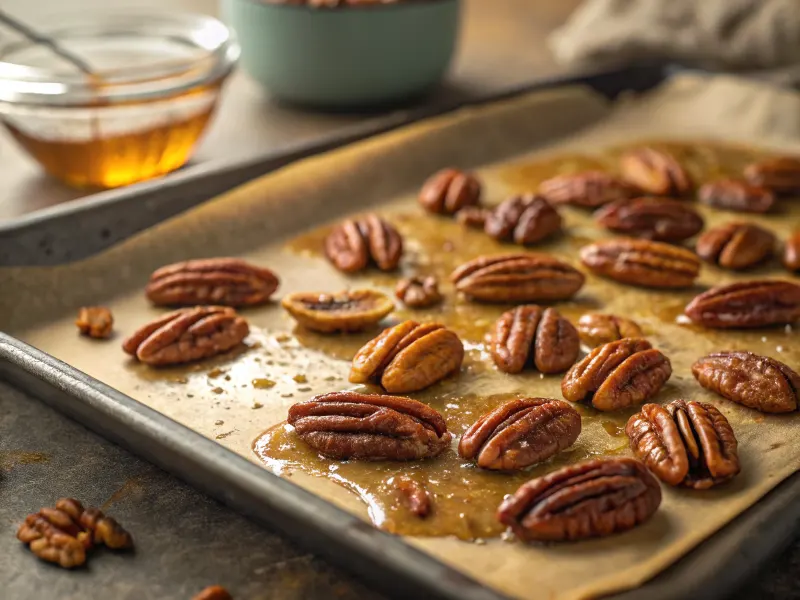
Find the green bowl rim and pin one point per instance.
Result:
(399, 5)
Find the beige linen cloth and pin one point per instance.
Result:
(759, 37)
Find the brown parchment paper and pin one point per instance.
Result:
(219, 400)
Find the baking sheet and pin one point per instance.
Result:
(260, 215)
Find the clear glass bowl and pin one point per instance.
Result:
(155, 83)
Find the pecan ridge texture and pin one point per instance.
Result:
(589, 189)
(655, 172)
(746, 304)
(594, 498)
(520, 433)
(348, 425)
(597, 329)
(408, 357)
(419, 292)
(736, 245)
(685, 443)
(736, 195)
(355, 243)
(525, 219)
(450, 190)
(779, 174)
(657, 219)
(346, 311)
(95, 322)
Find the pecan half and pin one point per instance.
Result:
(525, 220)
(791, 252)
(530, 334)
(347, 311)
(408, 357)
(520, 433)
(780, 174)
(597, 329)
(651, 218)
(355, 243)
(594, 498)
(95, 322)
(449, 191)
(736, 195)
(617, 375)
(655, 172)
(685, 443)
(347, 425)
(187, 335)
(517, 278)
(736, 245)
(589, 189)
(746, 304)
(221, 281)
(642, 263)
(755, 381)
(418, 292)
(473, 216)
(213, 592)
(414, 495)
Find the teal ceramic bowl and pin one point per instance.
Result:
(347, 57)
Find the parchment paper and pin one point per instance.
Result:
(218, 398)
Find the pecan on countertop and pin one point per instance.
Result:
(594, 498)
(348, 425)
(617, 375)
(95, 322)
(355, 243)
(589, 189)
(780, 175)
(642, 263)
(736, 245)
(747, 304)
(520, 433)
(659, 219)
(655, 172)
(525, 220)
(187, 335)
(597, 329)
(685, 443)
(736, 195)
(418, 292)
(517, 278)
(449, 191)
(531, 335)
(791, 252)
(347, 311)
(213, 592)
(758, 382)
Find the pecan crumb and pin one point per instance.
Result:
(213, 592)
(95, 322)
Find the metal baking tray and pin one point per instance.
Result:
(712, 570)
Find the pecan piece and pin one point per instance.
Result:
(597, 329)
(187, 335)
(95, 322)
(642, 263)
(449, 191)
(525, 220)
(736, 245)
(791, 252)
(594, 498)
(530, 334)
(418, 292)
(746, 304)
(347, 311)
(408, 357)
(213, 592)
(517, 278)
(655, 172)
(348, 425)
(755, 381)
(520, 433)
(685, 443)
(589, 189)
(779, 174)
(354, 243)
(219, 281)
(473, 216)
(651, 218)
(736, 195)
(414, 495)
(617, 375)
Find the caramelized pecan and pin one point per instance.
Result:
(213, 592)
(736, 245)
(520, 433)
(525, 220)
(651, 218)
(354, 243)
(589, 189)
(473, 216)
(449, 191)
(418, 292)
(95, 322)
(655, 172)
(596, 329)
(747, 304)
(517, 278)
(414, 495)
(187, 335)
(736, 195)
(347, 311)
(642, 263)
(222, 281)
(780, 174)
(347, 425)
(617, 375)
(791, 252)
(594, 498)
(755, 381)
(685, 443)
(530, 334)
(408, 357)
